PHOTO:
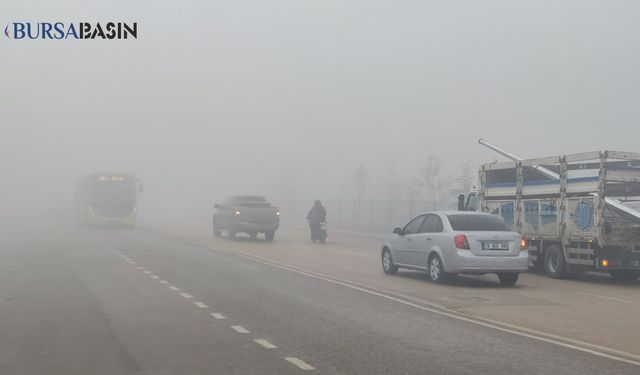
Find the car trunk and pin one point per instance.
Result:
(484, 243)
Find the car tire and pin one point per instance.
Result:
(436, 271)
(508, 278)
(624, 275)
(555, 265)
(269, 236)
(387, 263)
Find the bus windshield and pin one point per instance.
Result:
(113, 191)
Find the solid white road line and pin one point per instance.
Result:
(239, 329)
(300, 363)
(201, 305)
(605, 297)
(186, 295)
(218, 316)
(173, 287)
(265, 344)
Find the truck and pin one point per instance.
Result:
(249, 214)
(107, 198)
(580, 212)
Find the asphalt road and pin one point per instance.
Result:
(153, 301)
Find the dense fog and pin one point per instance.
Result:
(289, 99)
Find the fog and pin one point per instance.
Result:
(288, 98)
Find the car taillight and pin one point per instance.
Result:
(524, 243)
(461, 241)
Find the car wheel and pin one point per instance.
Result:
(508, 278)
(436, 270)
(624, 275)
(554, 264)
(387, 263)
(269, 236)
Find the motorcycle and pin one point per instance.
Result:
(318, 232)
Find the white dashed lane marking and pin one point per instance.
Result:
(265, 344)
(300, 363)
(239, 329)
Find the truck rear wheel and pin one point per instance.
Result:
(555, 265)
(624, 275)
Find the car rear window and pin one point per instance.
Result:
(478, 223)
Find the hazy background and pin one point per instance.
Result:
(289, 98)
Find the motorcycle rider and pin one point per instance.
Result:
(317, 217)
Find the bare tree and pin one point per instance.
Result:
(465, 178)
(432, 187)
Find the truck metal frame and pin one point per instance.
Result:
(579, 202)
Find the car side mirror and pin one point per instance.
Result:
(397, 231)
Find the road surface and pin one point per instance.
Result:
(173, 300)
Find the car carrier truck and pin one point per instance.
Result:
(580, 212)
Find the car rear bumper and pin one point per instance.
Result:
(463, 261)
(255, 227)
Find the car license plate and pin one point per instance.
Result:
(495, 245)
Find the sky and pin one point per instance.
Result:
(289, 98)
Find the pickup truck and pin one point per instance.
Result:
(246, 214)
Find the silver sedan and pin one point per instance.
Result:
(443, 243)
